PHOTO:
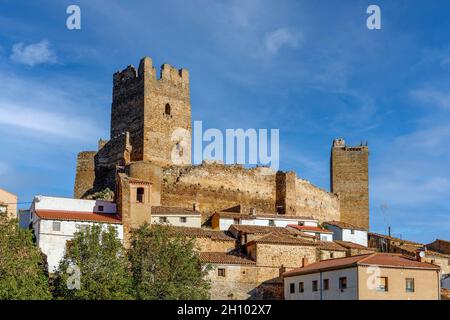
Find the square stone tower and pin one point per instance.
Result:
(155, 112)
(349, 177)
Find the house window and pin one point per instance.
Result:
(3, 209)
(315, 285)
(236, 220)
(167, 109)
(301, 287)
(162, 219)
(331, 255)
(343, 283)
(326, 284)
(140, 195)
(352, 231)
(56, 226)
(292, 288)
(100, 208)
(382, 284)
(183, 219)
(221, 272)
(271, 223)
(301, 223)
(448, 262)
(409, 284)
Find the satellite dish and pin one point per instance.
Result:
(422, 254)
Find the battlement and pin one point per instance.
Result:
(339, 143)
(167, 73)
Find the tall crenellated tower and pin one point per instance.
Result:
(151, 109)
(349, 177)
(150, 122)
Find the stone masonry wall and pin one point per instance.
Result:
(350, 180)
(85, 173)
(216, 187)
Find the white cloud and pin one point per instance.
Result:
(33, 54)
(3, 168)
(279, 38)
(45, 122)
(432, 97)
(30, 107)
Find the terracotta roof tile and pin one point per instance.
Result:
(225, 258)
(372, 234)
(277, 238)
(330, 245)
(352, 245)
(165, 210)
(203, 233)
(344, 225)
(250, 229)
(372, 259)
(78, 216)
(309, 228)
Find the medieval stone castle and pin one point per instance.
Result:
(146, 109)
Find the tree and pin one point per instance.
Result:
(98, 257)
(105, 194)
(23, 271)
(165, 266)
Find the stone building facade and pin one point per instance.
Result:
(146, 111)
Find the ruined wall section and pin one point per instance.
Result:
(85, 173)
(216, 186)
(315, 202)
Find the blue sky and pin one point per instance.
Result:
(311, 69)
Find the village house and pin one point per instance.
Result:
(386, 243)
(247, 233)
(343, 231)
(8, 204)
(320, 233)
(55, 220)
(176, 216)
(439, 245)
(223, 220)
(376, 276)
(235, 276)
(207, 240)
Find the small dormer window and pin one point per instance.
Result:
(167, 110)
(140, 195)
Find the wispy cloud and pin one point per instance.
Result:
(283, 37)
(432, 97)
(3, 168)
(45, 122)
(29, 107)
(33, 54)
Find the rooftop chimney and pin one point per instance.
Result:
(304, 261)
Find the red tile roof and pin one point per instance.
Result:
(203, 233)
(388, 260)
(278, 238)
(78, 216)
(344, 225)
(352, 245)
(225, 258)
(309, 228)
